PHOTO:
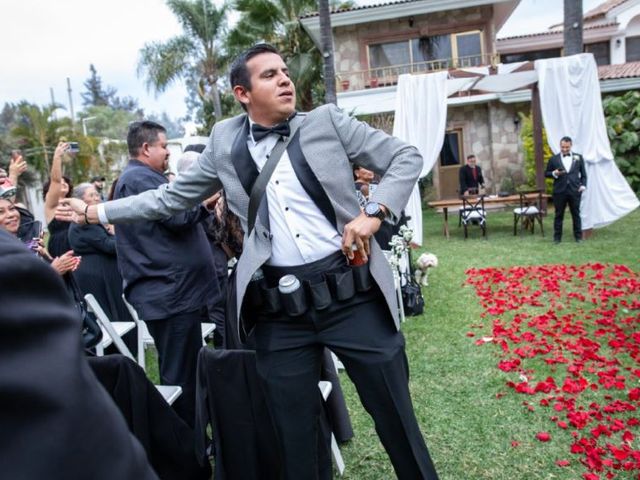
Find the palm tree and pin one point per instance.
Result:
(194, 56)
(276, 22)
(572, 27)
(38, 133)
(326, 38)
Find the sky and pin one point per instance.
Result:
(44, 42)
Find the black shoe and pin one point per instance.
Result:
(557, 242)
(579, 240)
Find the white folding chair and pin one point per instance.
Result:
(112, 332)
(325, 389)
(144, 337)
(169, 392)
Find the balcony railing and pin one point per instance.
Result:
(387, 76)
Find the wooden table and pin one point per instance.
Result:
(492, 200)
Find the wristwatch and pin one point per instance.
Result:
(372, 209)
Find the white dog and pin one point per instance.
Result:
(423, 264)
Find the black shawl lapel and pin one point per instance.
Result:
(309, 181)
(242, 161)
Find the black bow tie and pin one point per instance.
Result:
(566, 155)
(259, 132)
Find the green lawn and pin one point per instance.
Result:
(454, 382)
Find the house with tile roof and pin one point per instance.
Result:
(375, 44)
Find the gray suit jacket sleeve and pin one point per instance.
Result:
(191, 187)
(399, 164)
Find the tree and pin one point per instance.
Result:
(326, 38)
(99, 96)
(623, 127)
(96, 95)
(194, 56)
(276, 22)
(572, 27)
(38, 133)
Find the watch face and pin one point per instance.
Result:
(371, 208)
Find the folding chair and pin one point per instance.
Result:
(473, 212)
(144, 337)
(112, 332)
(325, 389)
(528, 212)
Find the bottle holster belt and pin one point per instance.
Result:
(322, 282)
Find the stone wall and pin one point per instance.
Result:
(350, 42)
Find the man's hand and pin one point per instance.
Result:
(581, 189)
(558, 172)
(71, 210)
(211, 202)
(358, 232)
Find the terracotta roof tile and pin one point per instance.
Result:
(559, 31)
(359, 7)
(623, 70)
(602, 9)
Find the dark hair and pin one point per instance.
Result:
(47, 185)
(566, 139)
(195, 147)
(141, 133)
(239, 73)
(469, 157)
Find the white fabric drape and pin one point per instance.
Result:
(420, 120)
(572, 105)
(506, 82)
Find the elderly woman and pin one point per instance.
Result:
(10, 221)
(98, 273)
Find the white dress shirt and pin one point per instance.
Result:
(567, 161)
(300, 231)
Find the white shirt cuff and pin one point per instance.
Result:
(102, 215)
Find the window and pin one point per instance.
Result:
(451, 149)
(427, 53)
(600, 51)
(529, 56)
(388, 54)
(469, 49)
(633, 49)
(431, 49)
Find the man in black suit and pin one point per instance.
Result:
(471, 179)
(167, 267)
(569, 181)
(57, 421)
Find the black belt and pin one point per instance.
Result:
(330, 278)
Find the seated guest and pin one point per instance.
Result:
(471, 179)
(57, 421)
(98, 273)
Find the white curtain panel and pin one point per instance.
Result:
(571, 105)
(420, 120)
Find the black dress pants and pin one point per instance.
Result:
(178, 340)
(360, 331)
(560, 201)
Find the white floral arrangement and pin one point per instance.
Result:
(399, 245)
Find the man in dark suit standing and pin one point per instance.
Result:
(167, 267)
(569, 181)
(310, 222)
(471, 178)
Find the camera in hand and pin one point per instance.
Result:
(73, 147)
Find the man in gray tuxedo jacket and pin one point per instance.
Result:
(308, 221)
(569, 181)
